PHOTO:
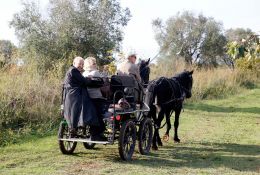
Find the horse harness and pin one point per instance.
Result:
(171, 84)
(173, 98)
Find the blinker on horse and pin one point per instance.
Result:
(164, 96)
(144, 72)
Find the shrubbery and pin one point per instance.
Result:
(29, 102)
(252, 65)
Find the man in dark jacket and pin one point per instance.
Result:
(78, 107)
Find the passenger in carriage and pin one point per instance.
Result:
(105, 71)
(130, 68)
(91, 71)
(79, 109)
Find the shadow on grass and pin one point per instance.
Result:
(212, 108)
(201, 155)
(84, 153)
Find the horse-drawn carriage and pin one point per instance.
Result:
(127, 124)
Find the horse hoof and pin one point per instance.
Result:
(155, 148)
(166, 138)
(177, 140)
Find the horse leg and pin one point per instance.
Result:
(159, 141)
(156, 128)
(176, 125)
(169, 126)
(156, 136)
(159, 121)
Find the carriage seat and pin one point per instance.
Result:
(123, 87)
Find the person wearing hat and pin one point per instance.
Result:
(129, 67)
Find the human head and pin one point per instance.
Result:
(90, 63)
(132, 58)
(78, 63)
(105, 68)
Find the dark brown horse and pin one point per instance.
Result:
(164, 96)
(144, 70)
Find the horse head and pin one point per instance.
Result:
(186, 80)
(144, 70)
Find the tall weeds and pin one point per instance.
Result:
(29, 102)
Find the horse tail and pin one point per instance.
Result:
(150, 94)
(150, 99)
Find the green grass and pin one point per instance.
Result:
(217, 137)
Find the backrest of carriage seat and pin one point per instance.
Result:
(124, 84)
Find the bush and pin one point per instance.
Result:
(29, 102)
(249, 65)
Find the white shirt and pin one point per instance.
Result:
(93, 92)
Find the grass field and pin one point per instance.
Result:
(217, 137)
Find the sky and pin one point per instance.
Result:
(139, 35)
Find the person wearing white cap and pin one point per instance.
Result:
(129, 67)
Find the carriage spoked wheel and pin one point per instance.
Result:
(89, 145)
(145, 136)
(66, 147)
(127, 140)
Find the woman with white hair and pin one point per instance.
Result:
(91, 71)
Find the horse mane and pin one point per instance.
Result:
(180, 75)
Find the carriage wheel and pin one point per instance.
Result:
(145, 136)
(66, 147)
(127, 140)
(89, 145)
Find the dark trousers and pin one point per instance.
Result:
(101, 107)
(139, 93)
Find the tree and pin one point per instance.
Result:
(71, 27)
(236, 37)
(238, 34)
(249, 48)
(197, 39)
(246, 54)
(7, 50)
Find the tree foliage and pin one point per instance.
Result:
(71, 27)
(238, 34)
(235, 36)
(197, 39)
(246, 54)
(7, 51)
